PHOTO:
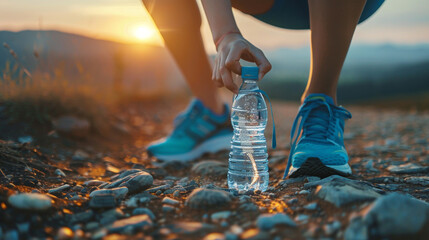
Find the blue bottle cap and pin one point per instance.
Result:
(249, 73)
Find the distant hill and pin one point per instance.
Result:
(142, 66)
(364, 61)
(404, 82)
(370, 70)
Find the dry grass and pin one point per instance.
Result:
(39, 98)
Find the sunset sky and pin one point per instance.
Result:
(397, 21)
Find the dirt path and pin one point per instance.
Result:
(389, 153)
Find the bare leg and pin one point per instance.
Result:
(332, 24)
(179, 22)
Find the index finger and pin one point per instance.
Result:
(262, 62)
(232, 62)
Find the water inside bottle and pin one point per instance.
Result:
(248, 163)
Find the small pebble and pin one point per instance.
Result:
(168, 208)
(170, 201)
(311, 206)
(59, 189)
(176, 193)
(59, 172)
(302, 218)
(216, 217)
(332, 228)
(64, 233)
(304, 192)
(147, 211)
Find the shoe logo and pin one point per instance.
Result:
(341, 151)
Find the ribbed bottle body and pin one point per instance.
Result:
(248, 158)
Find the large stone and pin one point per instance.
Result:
(340, 193)
(131, 224)
(119, 193)
(126, 173)
(30, 201)
(103, 201)
(72, 126)
(397, 214)
(356, 230)
(202, 198)
(326, 180)
(210, 169)
(394, 216)
(138, 183)
(135, 182)
(268, 221)
(408, 168)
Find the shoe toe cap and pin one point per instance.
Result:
(166, 148)
(329, 155)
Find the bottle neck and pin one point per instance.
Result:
(249, 85)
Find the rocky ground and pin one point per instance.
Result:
(59, 187)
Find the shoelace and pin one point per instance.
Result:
(182, 115)
(318, 129)
(274, 141)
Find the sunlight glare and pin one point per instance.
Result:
(143, 32)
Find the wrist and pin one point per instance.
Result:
(221, 37)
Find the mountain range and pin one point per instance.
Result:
(151, 68)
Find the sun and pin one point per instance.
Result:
(143, 32)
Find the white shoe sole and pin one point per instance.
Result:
(212, 145)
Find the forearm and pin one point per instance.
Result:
(220, 17)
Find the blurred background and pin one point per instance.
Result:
(112, 46)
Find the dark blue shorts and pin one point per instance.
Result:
(293, 14)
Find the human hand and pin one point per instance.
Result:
(231, 49)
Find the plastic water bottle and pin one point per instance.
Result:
(248, 159)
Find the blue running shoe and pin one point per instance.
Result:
(318, 147)
(197, 130)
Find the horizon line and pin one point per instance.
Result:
(118, 41)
